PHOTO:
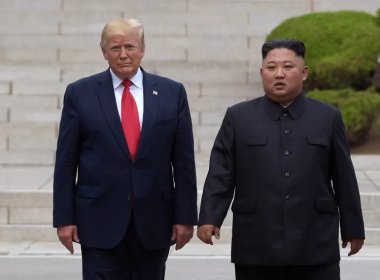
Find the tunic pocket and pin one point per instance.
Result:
(244, 206)
(256, 140)
(320, 140)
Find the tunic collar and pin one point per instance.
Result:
(294, 110)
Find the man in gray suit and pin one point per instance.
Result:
(284, 160)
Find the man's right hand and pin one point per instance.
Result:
(205, 233)
(68, 234)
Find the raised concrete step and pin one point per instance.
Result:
(27, 215)
(18, 233)
(35, 207)
(46, 233)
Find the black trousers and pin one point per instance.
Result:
(307, 272)
(130, 260)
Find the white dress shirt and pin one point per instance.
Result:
(136, 89)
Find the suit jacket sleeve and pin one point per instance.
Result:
(184, 166)
(219, 186)
(66, 163)
(345, 185)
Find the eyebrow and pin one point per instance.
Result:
(286, 61)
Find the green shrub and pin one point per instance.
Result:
(341, 47)
(358, 109)
(377, 19)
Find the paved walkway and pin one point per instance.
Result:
(178, 267)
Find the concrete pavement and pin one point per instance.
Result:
(45, 261)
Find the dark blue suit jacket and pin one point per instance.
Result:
(95, 179)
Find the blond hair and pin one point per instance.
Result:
(122, 27)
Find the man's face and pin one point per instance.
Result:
(124, 54)
(283, 74)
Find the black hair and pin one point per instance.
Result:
(294, 45)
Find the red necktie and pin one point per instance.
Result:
(130, 119)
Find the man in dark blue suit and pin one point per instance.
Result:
(124, 180)
(284, 160)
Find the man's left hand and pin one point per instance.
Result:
(355, 245)
(182, 235)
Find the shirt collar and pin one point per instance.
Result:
(294, 109)
(137, 79)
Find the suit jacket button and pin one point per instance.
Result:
(286, 131)
(287, 197)
(287, 174)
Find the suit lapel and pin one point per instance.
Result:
(107, 101)
(151, 101)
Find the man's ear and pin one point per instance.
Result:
(104, 53)
(305, 73)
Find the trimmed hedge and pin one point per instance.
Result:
(341, 47)
(358, 109)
